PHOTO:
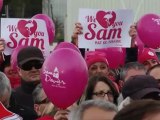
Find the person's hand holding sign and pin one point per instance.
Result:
(133, 34)
(2, 47)
(77, 31)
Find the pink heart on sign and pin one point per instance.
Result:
(106, 19)
(27, 28)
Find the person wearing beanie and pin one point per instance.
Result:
(148, 57)
(97, 63)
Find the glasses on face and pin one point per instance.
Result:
(28, 66)
(44, 101)
(102, 94)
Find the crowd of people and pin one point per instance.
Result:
(131, 93)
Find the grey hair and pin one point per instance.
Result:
(37, 96)
(131, 65)
(77, 113)
(4, 84)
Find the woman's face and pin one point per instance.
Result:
(102, 91)
(10, 72)
(98, 68)
(150, 63)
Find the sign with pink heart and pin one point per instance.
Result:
(105, 28)
(24, 32)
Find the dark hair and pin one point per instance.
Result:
(92, 83)
(131, 65)
(137, 110)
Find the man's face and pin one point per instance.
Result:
(133, 72)
(156, 74)
(30, 71)
(43, 104)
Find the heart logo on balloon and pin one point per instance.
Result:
(106, 19)
(27, 28)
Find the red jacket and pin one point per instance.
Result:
(7, 115)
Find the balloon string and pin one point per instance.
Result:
(138, 9)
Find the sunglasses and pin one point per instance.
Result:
(28, 66)
(44, 101)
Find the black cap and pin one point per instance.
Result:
(28, 54)
(139, 86)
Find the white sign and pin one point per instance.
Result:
(105, 28)
(28, 32)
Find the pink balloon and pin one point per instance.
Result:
(67, 45)
(64, 77)
(148, 28)
(14, 56)
(50, 25)
(1, 5)
(114, 55)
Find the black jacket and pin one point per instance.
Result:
(21, 101)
